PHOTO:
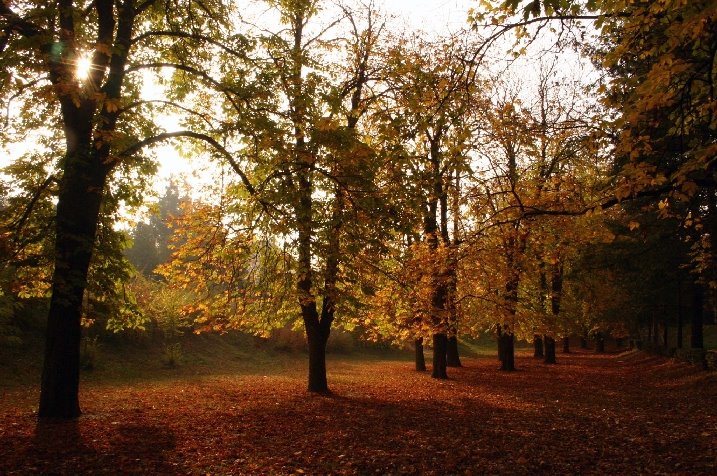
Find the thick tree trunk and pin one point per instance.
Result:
(77, 219)
(420, 357)
(697, 336)
(317, 362)
(453, 358)
(566, 345)
(665, 336)
(440, 344)
(507, 346)
(549, 350)
(538, 347)
(85, 167)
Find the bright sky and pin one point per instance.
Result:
(432, 16)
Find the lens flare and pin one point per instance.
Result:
(84, 64)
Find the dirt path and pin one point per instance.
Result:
(590, 414)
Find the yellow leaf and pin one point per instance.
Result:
(112, 105)
(633, 225)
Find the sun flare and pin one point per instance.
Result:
(84, 64)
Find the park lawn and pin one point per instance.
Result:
(593, 414)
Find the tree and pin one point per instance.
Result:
(236, 278)
(305, 176)
(658, 60)
(100, 124)
(427, 118)
(150, 240)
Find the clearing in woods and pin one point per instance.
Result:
(593, 414)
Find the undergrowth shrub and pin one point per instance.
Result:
(693, 356)
(287, 339)
(162, 305)
(341, 342)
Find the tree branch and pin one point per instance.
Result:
(20, 223)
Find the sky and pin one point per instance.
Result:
(431, 16)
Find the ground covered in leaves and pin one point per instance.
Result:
(592, 414)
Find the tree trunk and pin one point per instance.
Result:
(599, 343)
(583, 342)
(556, 287)
(696, 337)
(566, 345)
(507, 346)
(549, 350)
(317, 329)
(420, 358)
(499, 342)
(665, 335)
(440, 344)
(317, 361)
(680, 318)
(453, 358)
(77, 218)
(538, 347)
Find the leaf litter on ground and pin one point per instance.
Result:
(590, 414)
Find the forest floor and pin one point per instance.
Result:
(623, 413)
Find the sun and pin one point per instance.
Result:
(84, 64)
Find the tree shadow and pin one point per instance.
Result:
(74, 447)
(56, 446)
(144, 448)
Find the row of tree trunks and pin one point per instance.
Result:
(452, 355)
